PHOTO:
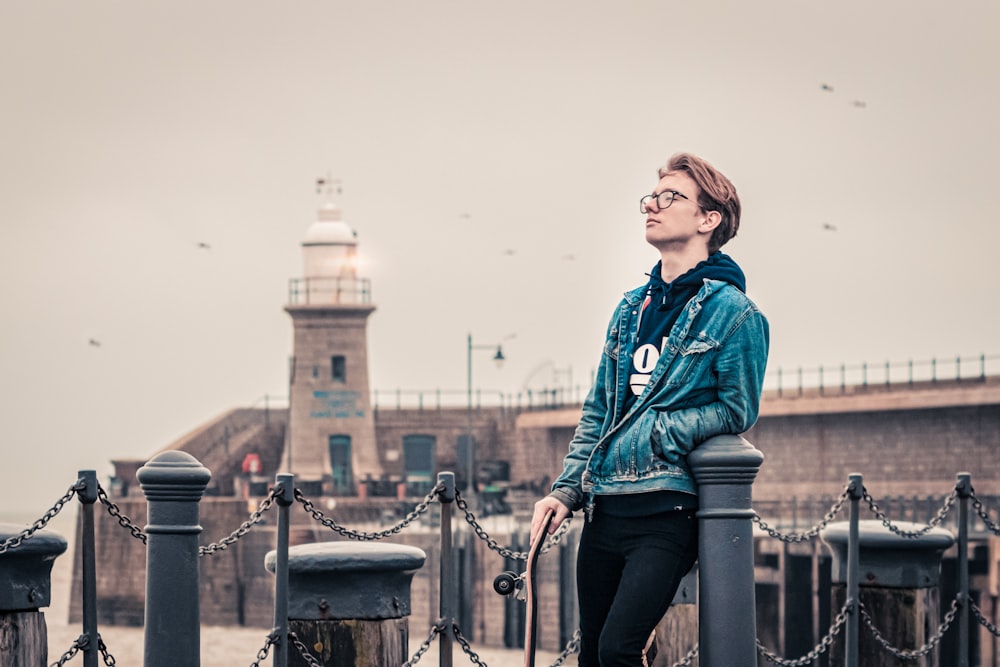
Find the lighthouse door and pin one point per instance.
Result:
(340, 464)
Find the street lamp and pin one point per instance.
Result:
(470, 449)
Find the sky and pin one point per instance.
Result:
(490, 158)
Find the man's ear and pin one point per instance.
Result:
(712, 220)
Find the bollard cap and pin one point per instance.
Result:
(888, 560)
(348, 580)
(26, 570)
(173, 475)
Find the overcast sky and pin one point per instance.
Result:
(491, 157)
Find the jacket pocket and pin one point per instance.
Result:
(693, 356)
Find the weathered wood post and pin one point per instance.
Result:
(898, 587)
(725, 468)
(349, 603)
(25, 587)
(173, 483)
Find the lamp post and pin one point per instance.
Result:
(470, 449)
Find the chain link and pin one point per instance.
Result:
(436, 630)
(983, 620)
(977, 504)
(16, 541)
(303, 650)
(244, 528)
(811, 533)
(262, 653)
(123, 520)
(109, 659)
(688, 659)
(906, 654)
(942, 513)
(420, 509)
(473, 656)
(481, 533)
(78, 644)
(572, 646)
(817, 650)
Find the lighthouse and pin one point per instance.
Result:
(331, 430)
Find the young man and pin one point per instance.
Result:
(683, 361)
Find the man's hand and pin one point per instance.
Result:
(546, 504)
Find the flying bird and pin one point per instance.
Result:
(93, 342)
(828, 227)
(826, 87)
(204, 246)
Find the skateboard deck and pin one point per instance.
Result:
(531, 597)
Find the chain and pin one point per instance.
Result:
(938, 518)
(79, 643)
(983, 620)
(811, 533)
(303, 651)
(984, 515)
(262, 653)
(15, 541)
(109, 659)
(470, 518)
(244, 528)
(688, 659)
(904, 654)
(436, 629)
(819, 649)
(572, 646)
(473, 656)
(123, 520)
(420, 509)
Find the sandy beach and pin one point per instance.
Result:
(220, 646)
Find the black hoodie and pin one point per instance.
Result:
(663, 305)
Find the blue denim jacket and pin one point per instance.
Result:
(706, 382)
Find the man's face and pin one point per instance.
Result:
(680, 224)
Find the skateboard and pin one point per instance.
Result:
(524, 585)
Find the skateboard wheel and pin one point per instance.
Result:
(504, 583)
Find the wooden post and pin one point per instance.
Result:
(25, 587)
(348, 602)
(898, 586)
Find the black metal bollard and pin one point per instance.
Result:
(348, 603)
(725, 468)
(173, 483)
(898, 581)
(25, 587)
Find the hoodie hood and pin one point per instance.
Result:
(718, 266)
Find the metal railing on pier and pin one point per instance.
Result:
(725, 468)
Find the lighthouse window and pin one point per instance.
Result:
(339, 366)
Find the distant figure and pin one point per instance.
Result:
(204, 246)
(93, 342)
(828, 227)
(683, 360)
(828, 88)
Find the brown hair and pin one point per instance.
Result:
(717, 193)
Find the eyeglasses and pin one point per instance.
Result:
(663, 200)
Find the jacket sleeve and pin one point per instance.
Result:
(568, 487)
(739, 367)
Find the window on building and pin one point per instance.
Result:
(338, 364)
(418, 463)
(340, 465)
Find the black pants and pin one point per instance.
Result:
(628, 570)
